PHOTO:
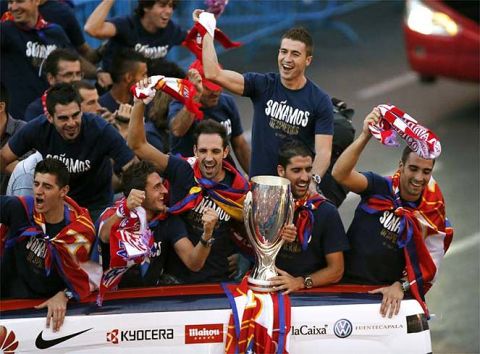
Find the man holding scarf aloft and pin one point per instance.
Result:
(205, 181)
(400, 233)
(315, 258)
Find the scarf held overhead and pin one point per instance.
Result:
(68, 251)
(425, 233)
(394, 121)
(259, 323)
(229, 198)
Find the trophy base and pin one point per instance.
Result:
(261, 286)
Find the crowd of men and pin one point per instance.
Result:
(82, 155)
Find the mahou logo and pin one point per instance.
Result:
(8, 341)
(204, 333)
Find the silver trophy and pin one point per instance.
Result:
(268, 207)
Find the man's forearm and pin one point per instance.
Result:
(181, 123)
(349, 158)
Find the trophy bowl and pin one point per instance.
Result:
(267, 208)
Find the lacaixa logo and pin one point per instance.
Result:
(204, 333)
(8, 341)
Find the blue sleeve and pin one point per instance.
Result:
(333, 236)
(25, 139)
(118, 149)
(73, 29)
(324, 116)
(33, 110)
(234, 117)
(176, 229)
(11, 208)
(179, 34)
(153, 136)
(254, 84)
(180, 175)
(376, 185)
(173, 108)
(122, 26)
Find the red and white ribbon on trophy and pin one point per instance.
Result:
(396, 122)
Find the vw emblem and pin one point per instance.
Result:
(342, 328)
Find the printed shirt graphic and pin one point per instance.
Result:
(281, 113)
(374, 256)
(87, 160)
(131, 34)
(23, 53)
(225, 112)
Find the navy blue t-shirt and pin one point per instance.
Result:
(87, 158)
(23, 53)
(106, 100)
(23, 265)
(60, 13)
(281, 113)
(180, 175)
(156, 137)
(225, 112)
(131, 34)
(374, 257)
(34, 109)
(328, 236)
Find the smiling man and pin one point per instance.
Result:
(315, 257)
(381, 247)
(84, 142)
(205, 181)
(143, 187)
(39, 227)
(216, 105)
(286, 104)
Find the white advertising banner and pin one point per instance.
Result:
(355, 328)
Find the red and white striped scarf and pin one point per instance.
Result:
(419, 138)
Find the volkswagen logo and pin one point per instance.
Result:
(342, 328)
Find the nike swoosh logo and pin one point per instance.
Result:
(41, 343)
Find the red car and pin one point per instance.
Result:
(443, 38)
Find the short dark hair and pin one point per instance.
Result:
(210, 126)
(302, 35)
(291, 148)
(147, 4)
(406, 153)
(161, 66)
(83, 85)
(4, 96)
(125, 61)
(135, 176)
(51, 63)
(54, 167)
(63, 94)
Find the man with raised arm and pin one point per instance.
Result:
(399, 234)
(144, 204)
(203, 181)
(286, 104)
